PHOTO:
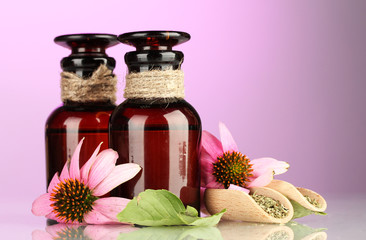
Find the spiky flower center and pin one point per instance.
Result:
(72, 199)
(232, 168)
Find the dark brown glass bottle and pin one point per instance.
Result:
(68, 124)
(162, 135)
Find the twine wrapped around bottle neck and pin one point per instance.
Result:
(101, 86)
(155, 84)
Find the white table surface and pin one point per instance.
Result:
(346, 219)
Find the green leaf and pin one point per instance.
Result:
(173, 233)
(300, 211)
(208, 221)
(163, 208)
(321, 213)
(191, 211)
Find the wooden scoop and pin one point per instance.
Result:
(297, 194)
(241, 206)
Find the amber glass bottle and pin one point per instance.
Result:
(68, 124)
(162, 135)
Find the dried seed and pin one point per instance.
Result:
(312, 201)
(271, 206)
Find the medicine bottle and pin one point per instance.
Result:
(88, 89)
(155, 127)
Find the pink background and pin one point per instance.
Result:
(287, 77)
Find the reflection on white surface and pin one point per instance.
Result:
(174, 232)
(111, 232)
(242, 230)
(256, 231)
(81, 232)
(225, 230)
(303, 232)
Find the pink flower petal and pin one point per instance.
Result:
(74, 164)
(206, 163)
(261, 181)
(119, 175)
(53, 183)
(261, 165)
(227, 140)
(110, 206)
(41, 235)
(211, 144)
(206, 160)
(103, 166)
(95, 217)
(65, 172)
(42, 205)
(238, 188)
(86, 168)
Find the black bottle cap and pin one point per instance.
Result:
(153, 49)
(154, 40)
(87, 52)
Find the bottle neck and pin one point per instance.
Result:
(90, 104)
(147, 60)
(100, 87)
(155, 82)
(84, 65)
